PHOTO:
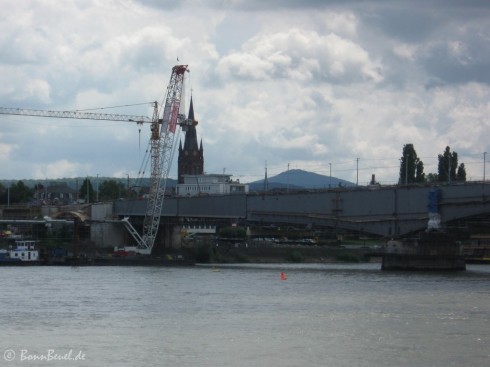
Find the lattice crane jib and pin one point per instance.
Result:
(162, 147)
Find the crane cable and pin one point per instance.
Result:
(124, 105)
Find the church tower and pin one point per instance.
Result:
(191, 158)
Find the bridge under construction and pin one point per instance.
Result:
(391, 211)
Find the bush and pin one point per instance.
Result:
(203, 253)
(241, 258)
(295, 257)
(348, 258)
(233, 232)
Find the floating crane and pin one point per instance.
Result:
(162, 142)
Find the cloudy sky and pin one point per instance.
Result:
(305, 84)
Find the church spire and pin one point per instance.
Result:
(191, 159)
(191, 111)
(190, 143)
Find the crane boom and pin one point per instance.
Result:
(161, 149)
(74, 115)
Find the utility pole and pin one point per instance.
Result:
(449, 169)
(357, 178)
(330, 180)
(406, 169)
(288, 178)
(266, 184)
(97, 185)
(484, 164)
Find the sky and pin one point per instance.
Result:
(331, 87)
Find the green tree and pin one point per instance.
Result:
(17, 193)
(233, 232)
(432, 177)
(111, 190)
(419, 172)
(461, 174)
(411, 167)
(3, 194)
(87, 189)
(448, 169)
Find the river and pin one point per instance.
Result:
(244, 315)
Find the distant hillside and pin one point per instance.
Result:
(299, 179)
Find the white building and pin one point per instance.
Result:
(210, 184)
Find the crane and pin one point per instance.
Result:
(162, 142)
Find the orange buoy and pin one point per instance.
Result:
(283, 275)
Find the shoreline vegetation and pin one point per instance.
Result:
(289, 254)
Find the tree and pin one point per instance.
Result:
(432, 177)
(411, 167)
(87, 189)
(111, 190)
(419, 172)
(17, 193)
(461, 174)
(448, 169)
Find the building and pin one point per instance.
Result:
(191, 156)
(58, 193)
(210, 184)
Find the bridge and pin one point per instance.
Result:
(378, 210)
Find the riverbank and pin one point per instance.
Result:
(292, 254)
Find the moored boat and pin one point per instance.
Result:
(24, 252)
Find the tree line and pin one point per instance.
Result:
(20, 193)
(412, 168)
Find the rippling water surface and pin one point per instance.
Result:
(244, 315)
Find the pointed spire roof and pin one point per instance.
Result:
(191, 111)
(190, 142)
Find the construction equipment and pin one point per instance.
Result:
(162, 142)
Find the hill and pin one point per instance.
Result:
(299, 179)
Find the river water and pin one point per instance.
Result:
(243, 315)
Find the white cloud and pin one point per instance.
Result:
(6, 151)
(287, 53)
(60, 168)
